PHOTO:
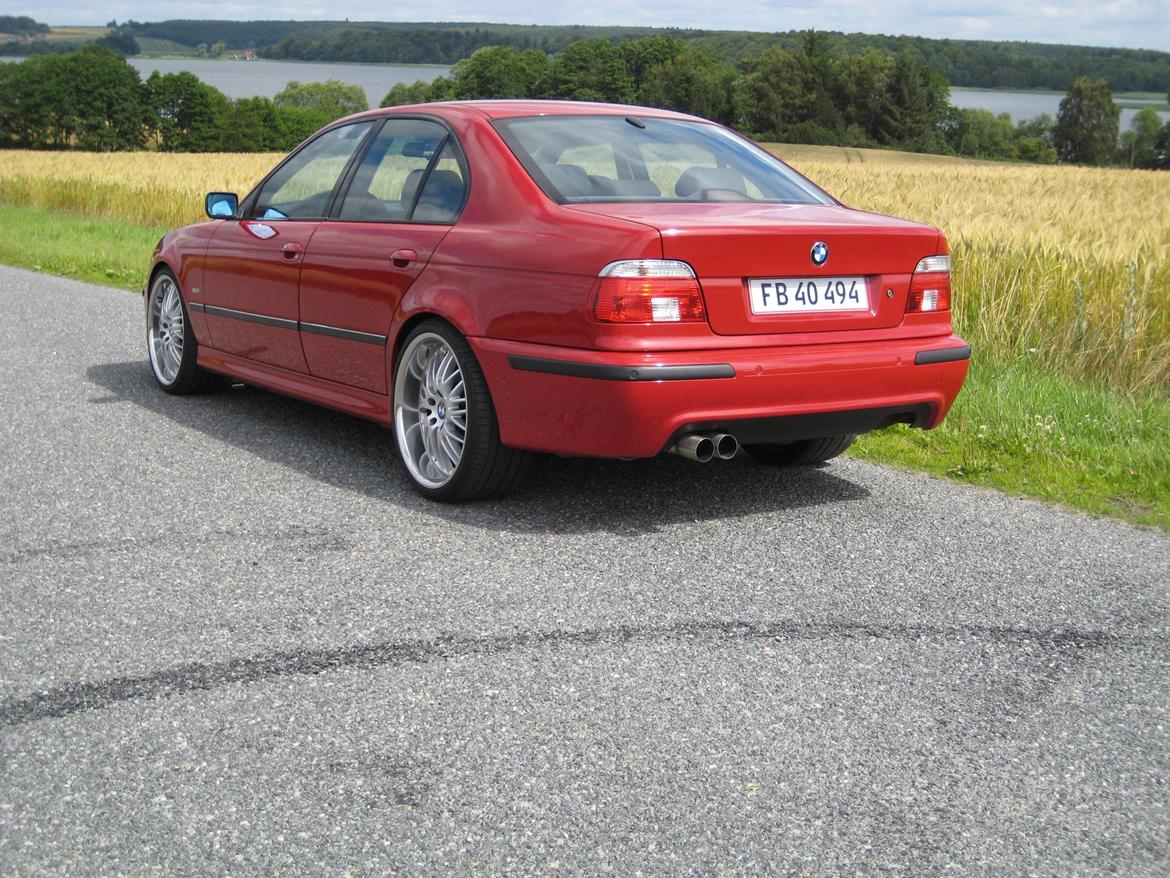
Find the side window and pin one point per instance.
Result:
(384, 187)
(444, 189)
(301, 189)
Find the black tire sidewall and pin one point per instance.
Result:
(482, 437)
(187, 375)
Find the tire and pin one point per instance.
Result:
(170, 345)
(803, 452)
(445, 425)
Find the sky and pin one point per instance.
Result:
(1135, 24)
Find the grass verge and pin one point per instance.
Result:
(1023, 430)
(101, 251)
(1018, 427)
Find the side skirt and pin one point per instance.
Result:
(340, 397)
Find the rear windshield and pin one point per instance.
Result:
(592, 159)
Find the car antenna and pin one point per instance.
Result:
(635, 121)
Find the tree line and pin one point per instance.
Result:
(807, 95)
(964, 63)
(95, 100)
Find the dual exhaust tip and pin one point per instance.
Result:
(706, 446)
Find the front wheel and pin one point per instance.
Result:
(444, 422)
(803, 452)
(170, 344)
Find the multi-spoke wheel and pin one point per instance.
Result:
(170, 343)
(444, 422)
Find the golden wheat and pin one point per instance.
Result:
(1067, 266)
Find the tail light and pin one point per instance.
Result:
(649, 291)
(930, 287)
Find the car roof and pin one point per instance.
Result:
(508, 108)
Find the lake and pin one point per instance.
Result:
(247, 79)
(1023, 105)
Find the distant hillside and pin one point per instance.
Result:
(973, 63)
(970, 63)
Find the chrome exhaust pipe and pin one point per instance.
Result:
(726, 445)
(694, 447)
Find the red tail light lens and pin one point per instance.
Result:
(930, 287)
(649, 291)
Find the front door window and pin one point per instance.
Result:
(303, 186)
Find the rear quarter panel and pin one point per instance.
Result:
(516, 265)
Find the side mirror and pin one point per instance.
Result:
(221, 205)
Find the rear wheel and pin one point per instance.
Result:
(170, 343)
(444, 422)
(803, 452)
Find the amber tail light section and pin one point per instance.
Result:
(649, 291)
(930, 287)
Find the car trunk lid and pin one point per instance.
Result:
(730, 244)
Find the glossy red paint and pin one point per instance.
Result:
(516, 274)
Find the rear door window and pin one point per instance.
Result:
(412, 172)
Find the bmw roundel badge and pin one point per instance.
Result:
(820, 253)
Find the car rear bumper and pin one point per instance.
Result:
(606, 404)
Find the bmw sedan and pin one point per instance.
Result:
(494, 278)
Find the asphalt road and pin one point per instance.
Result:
(233, 641)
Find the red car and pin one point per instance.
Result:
(493, 278)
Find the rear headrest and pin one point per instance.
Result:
(410, 186)
(570, 180)
(696, 180)
(443, 187)
(441, 197)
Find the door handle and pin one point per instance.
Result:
(403, 258)
(291, 251)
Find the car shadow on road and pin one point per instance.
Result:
(561, 495)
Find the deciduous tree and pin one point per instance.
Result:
(332, 98)
(1087, 123)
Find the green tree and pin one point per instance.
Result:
(1139, 144)
(255, 125)
(186, 115)
(982, 134)
(331, 98)
(107, 101)
(1162, 149)
(259, 125)
(591, 70)
(914, 107)
(417, 92)
(121, 41)
(1041, 128)
(691, 82)
(768, 97)
(537, 72)
(863, 90)
(493, 72)
(644, 54)
(32, 93)
(1087, 123)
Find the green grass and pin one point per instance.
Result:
(98, 250)
(1023, 430)
(1017, 427)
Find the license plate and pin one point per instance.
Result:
(791, 295)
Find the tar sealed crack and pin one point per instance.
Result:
(1065, 646)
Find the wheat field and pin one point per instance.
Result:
(1068, 267)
